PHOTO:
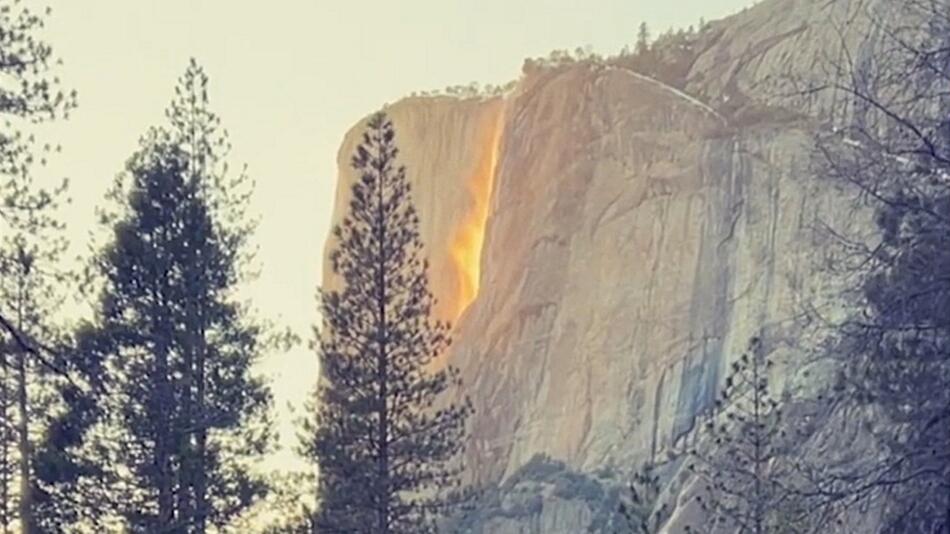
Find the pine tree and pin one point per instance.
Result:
(31, 285)
(737, 461)
(31, 94)
(179, 416)
(30, 246)
(385, 447)
(62, 488)
(642, 47)
(640, 514)
(210, 273)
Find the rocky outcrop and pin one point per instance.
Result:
(630, 237)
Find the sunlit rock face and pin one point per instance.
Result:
(606, 192)
(609, 244)
(636, 242)
(448, 148)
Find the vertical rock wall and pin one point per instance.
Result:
(628, 238)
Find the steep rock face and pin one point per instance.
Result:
(447, 146)
(636, 236)
(777, 54)
(635, 244)
(601, 191)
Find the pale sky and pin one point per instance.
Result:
(288, 78)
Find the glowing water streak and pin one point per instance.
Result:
(466, 247)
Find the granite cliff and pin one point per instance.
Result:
(607, 241)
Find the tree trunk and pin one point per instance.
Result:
(26, 487)
(23, 442)
(383, 378)
(185, 430)
(757, 419)
(5, 436)
(201, 498)
(196, 367)
(163, 453)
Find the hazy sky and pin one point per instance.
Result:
(288, 78)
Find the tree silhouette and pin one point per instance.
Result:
(30, 249)
(737, 461)
(162, 444)
(385, 447)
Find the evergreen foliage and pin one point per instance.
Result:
(738, 460)
(31, 94)
(31, 250)
(385, 439)
(640, 513)
(31, 282)
(894, 349)
(642, 46)
(164, 440)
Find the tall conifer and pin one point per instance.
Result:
(178, 415)
(385, 445)
(31, 244)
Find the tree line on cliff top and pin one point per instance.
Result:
(665, 57)
(146, 415)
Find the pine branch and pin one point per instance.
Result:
(34, 348)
